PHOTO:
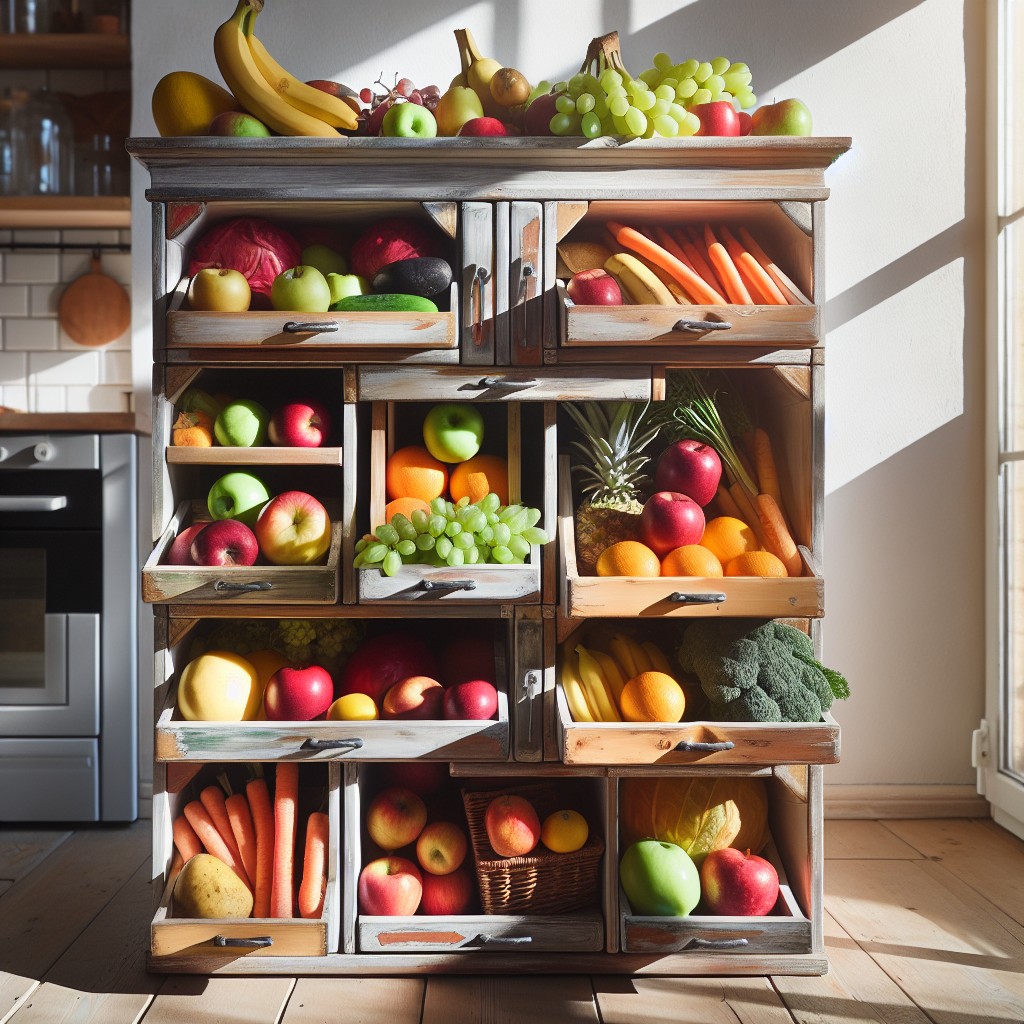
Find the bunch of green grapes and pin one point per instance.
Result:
(453, 535)
(326, 642)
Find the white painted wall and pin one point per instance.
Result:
(904, 508)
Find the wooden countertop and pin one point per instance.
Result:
(66, 422)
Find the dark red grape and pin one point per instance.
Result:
(416, 97)
(404, 87)
(430, 90)
(365, 95)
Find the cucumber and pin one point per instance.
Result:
(419, 275)
(392, 302)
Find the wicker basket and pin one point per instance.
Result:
(541, 882)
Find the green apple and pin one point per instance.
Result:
(787, 117)
(659, 879)
(237, 495)
(325, 259)
(235, 124)
(347, 284)
(242, 424)
(301, 289)
(408, 121)
(453, 431)
(219, 290)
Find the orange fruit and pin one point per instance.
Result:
(564, 831)
(691, 560)
(628, 558)
(478, 476)
(192, 429)
(412, 472)
(652, 697)
(756, 563)
(405, 507)
(726, 537)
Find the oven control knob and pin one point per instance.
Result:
(44, 451)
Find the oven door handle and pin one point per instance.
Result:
(33, 503)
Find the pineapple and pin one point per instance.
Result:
(610, 475)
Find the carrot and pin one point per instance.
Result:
(632, 239)
(186, 842)
(212, 798)
(199, 818)
(263, 823)
(722, 262)
(240, 818)
(777, 538)
(693, 245)
(792, 294)
(177, 863)
(727, 503)
(767, 475)
(753, 274)
(667, 280)
(748, 513)
(286, 798)
(314, 866)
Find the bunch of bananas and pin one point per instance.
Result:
(281, 101)
(593, 679)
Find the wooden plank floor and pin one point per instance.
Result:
(924, 923)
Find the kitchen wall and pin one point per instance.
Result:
(905, 315)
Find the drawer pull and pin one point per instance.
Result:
(698, 943)
(256, 942)
(223, 585)
(701, 326)
(447, 584)
(697, 746)
(502, 940)
(311, 327)
(34, 503)
(355, 743)
(678, 597)
(501, 382)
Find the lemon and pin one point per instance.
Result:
(564, 831)
(353, 707)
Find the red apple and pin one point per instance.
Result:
(293, 529)
(717, 118)
(180, 551)
(298, 694)
(448, 894)
(381, 661)
(670, 520)
(441, 847)
(468, 656)
(390, 887)
(482, 126)
(425, 778)
(745, 122)
(417, 697)
(299, 425)
(691, 468)
(225, 542)
(474, 699)
(395, 818)
(594, 288)
(738, 883)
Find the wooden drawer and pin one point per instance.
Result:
(786, 230)
(525, 435)
(204, 943)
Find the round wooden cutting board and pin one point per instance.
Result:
(94, 309)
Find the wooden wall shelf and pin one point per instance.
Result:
(65, 212)
(71, 50)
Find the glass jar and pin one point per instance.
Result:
(25, 15)
(44, 146)
(11, 103)
(102, 168)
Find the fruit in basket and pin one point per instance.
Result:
(339, 89)
(207, 888)
(416, 698)
(477, 477)
(390, 887)
(726, 537)
(299, 425)
(609, 464)
(659, 879)
(448, 894)
(219, 290)
(225, 542)
(787, 117)
(395, 817)
(192, 430)
(691, 560)
(381, 661)
(219, 686)
(628, 558)
(717, 118)
(353, 707)
(652, 697)
(233, 124)
(474, 699)
(564, 831)
(409, 121)
(739, 883)
(324, 258)
(425, 276)
(441, 847)
(482, 127)
(689, 467)
(389, 240)
(237, 495)
(594, 288)
(293, 529)
(343, 285)
(453, 431)
(184, 103)
(513, 828)
(756, 563)
(180, 551)
(300, 289)
(670, 520)
(300, 694)
(266, 662)
(242, 424)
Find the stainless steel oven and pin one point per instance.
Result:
(68, 627)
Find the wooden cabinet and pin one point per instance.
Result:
(508, 339)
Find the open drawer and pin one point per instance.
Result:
(222, 939)
(784, 231)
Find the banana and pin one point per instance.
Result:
(678, 295)
(623, 654)
(612, 673)
(250, 88)
(477, 72)
(657, 658)
(640, 282)
(575, 696)
(306, 98)
(599, 696)
(641, 658)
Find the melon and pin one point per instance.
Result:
(698, 813)
(184, 103)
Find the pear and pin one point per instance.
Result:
(457, 106)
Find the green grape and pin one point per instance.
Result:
(374, 553)
(617, 91)
(658, 110)
(519, 547)
(406, 548)
(443, 547)
(635, 87)
(662, 61)
(585, 103)
(508, 512)
(437, 506)
(576, 85)
(476, 522)
(490, 502)
(424, 542)
(456, 558)
(690, 124)
(464, 541)
(687, 69)
(610, 78)
(560, 87)
(703, 72)
(565, 104)
(665, 91)
(649, 131)
(620, 125)
(677, 111)
(645, 100)
(405, 529)
(492, 518)
(591, 125)
(651, 76)
(453, 529)
(387, 534)
(618, 106)
(666, 126)
(436, 525)
(671, 83)
(560, 124)
(746, 99)
(535, 535)
(500, 553)
(357, 562)
(486, 535)
(636, 121)
(739, 69)
(715, 83)
(735, 81)
(685, 89)
(720, 64)
(360, 544)
(392, 563)
(517, 523)
(533, 516)
(601, 105)
(462, 514)
(700, 96)
(420, 520)
(501, 535)
(462, 502)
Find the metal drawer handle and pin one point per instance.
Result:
(696, 746)
(700, 326)
(34, 503)
(222, 585)
(698, 943)
(504, 382)
(314, 327)
(350, 744)
(678, 597)
(256, 942)
(503, 940)
(447, 584)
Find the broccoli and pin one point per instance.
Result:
(756, 671)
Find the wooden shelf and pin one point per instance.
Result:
(71, 50)
(65, 212)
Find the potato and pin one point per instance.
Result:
(207, 887)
